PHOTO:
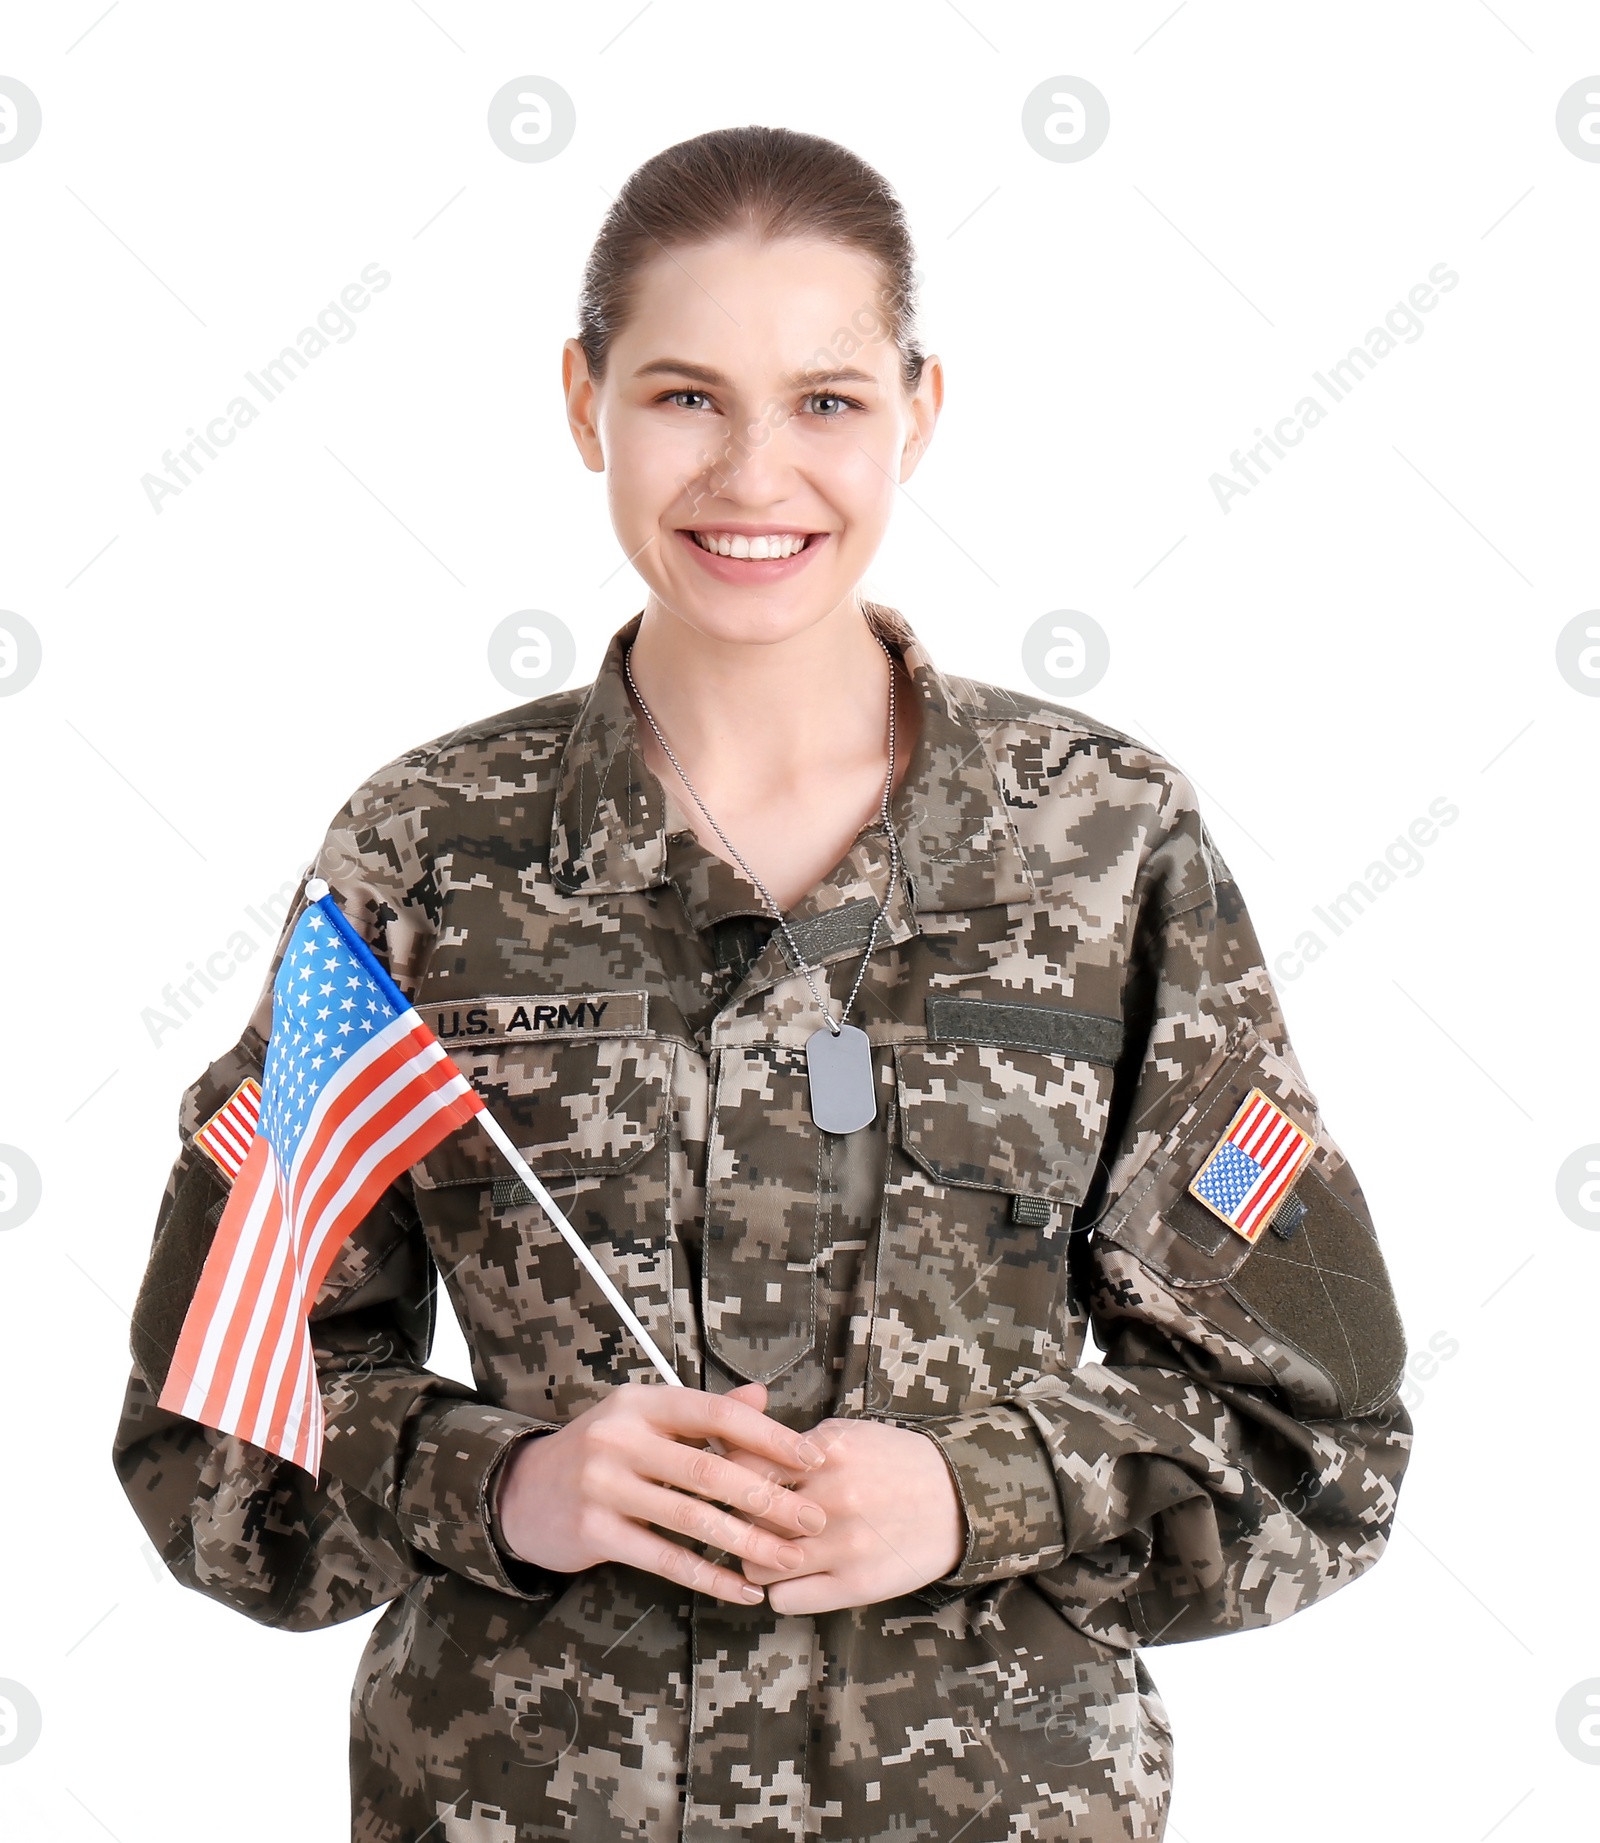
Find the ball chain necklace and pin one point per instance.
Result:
(844, 1095)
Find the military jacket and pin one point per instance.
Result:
(1066, 1007)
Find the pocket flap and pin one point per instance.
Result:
(994, 1117)
(574, 1109)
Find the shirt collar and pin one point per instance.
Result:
(609, 829)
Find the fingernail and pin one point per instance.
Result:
(811, 1453)
(789, 1556)
(813, 1518)
(752, 1593)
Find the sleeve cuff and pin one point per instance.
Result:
(1007, 1487)
(445, 1506)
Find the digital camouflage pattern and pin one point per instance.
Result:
(1066, 1006)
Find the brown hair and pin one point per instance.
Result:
(774, 182)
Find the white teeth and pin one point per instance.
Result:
(775, 544)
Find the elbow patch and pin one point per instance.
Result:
(1326, 1292)
(1317, 1286)
(182, 1243)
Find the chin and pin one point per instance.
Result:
(744, 617)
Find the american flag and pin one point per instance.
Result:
(1252, 1165)
(355, 1090)
(225, 1137)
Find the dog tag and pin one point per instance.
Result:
(844, 1097)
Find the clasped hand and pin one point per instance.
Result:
(846, 1514)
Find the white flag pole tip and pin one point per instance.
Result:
(316, 889)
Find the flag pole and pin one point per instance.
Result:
(317, 891)
(579, 1247)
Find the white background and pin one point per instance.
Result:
(1370, 629)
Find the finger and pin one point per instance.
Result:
(768, 1469)
(765, 1577)
(685, 1515)
(825, 1435)
(755, 1393)
(828, 1553)
(698, 1415)
(814, 1593)
(811, 1516)
(708, 1475)
(638, 1546)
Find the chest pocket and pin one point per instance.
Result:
(586, 1108)
(995, 1146)
(590, 1115)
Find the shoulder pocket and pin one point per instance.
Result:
(1322, 1290)
(1153, 1214)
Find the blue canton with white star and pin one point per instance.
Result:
(324, 1003)
(1227, 1182)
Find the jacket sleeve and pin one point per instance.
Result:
(1239, 1451)
(409, 1457)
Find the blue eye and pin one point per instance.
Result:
(817, 396)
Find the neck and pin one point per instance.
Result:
(771, 714)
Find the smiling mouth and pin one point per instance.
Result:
(768, 545)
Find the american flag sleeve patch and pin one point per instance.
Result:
(1252, 1165)
(225, 1137)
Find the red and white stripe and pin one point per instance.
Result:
(226, 1136)
(1272, 1139)
(244, 1360)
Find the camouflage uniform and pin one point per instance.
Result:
(1066, 1007)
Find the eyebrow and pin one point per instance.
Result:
(704, 374)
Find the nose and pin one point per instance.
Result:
(750, 471)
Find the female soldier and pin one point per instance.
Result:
(876, 1029)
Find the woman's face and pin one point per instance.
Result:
(754, 395)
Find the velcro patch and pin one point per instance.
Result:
(1252, 1165)
(546, 1014)
(225, 1137)
(845, 929)
(1053, 1028)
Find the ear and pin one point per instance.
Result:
(578, 388)
(925, 404)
